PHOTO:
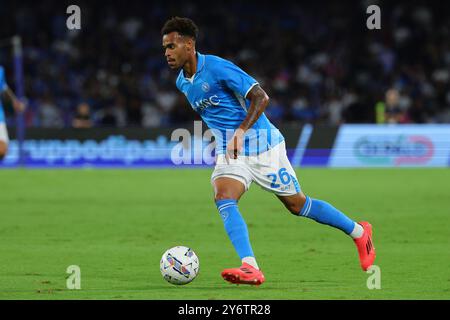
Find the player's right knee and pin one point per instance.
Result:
(295, 206)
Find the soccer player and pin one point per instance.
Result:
(18, 107)
(228, 99)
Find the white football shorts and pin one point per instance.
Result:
(271, 170)
(3, 133)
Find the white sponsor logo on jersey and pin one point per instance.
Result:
(202, 104)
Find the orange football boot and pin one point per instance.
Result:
(366, 249)
(246, 274)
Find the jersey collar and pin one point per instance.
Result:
(200, 65)
(200, 61)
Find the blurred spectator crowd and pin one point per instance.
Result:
(317, 61)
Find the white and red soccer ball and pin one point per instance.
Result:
(179, 265)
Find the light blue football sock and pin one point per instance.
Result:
(235, 227)
(325, 213)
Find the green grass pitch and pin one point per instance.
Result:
(115, 225)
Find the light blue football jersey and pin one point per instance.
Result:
(217, 91)
(3, 87)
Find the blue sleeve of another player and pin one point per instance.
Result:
(3, 85)
(234, 77)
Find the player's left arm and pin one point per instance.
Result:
(18, 105)
(258, 103)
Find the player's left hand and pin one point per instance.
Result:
(234, 146)
(19, 106)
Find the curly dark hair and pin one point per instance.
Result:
(184, 26)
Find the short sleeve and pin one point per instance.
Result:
(234, 77)
(3, 84)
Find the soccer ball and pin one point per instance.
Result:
(179, 265)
